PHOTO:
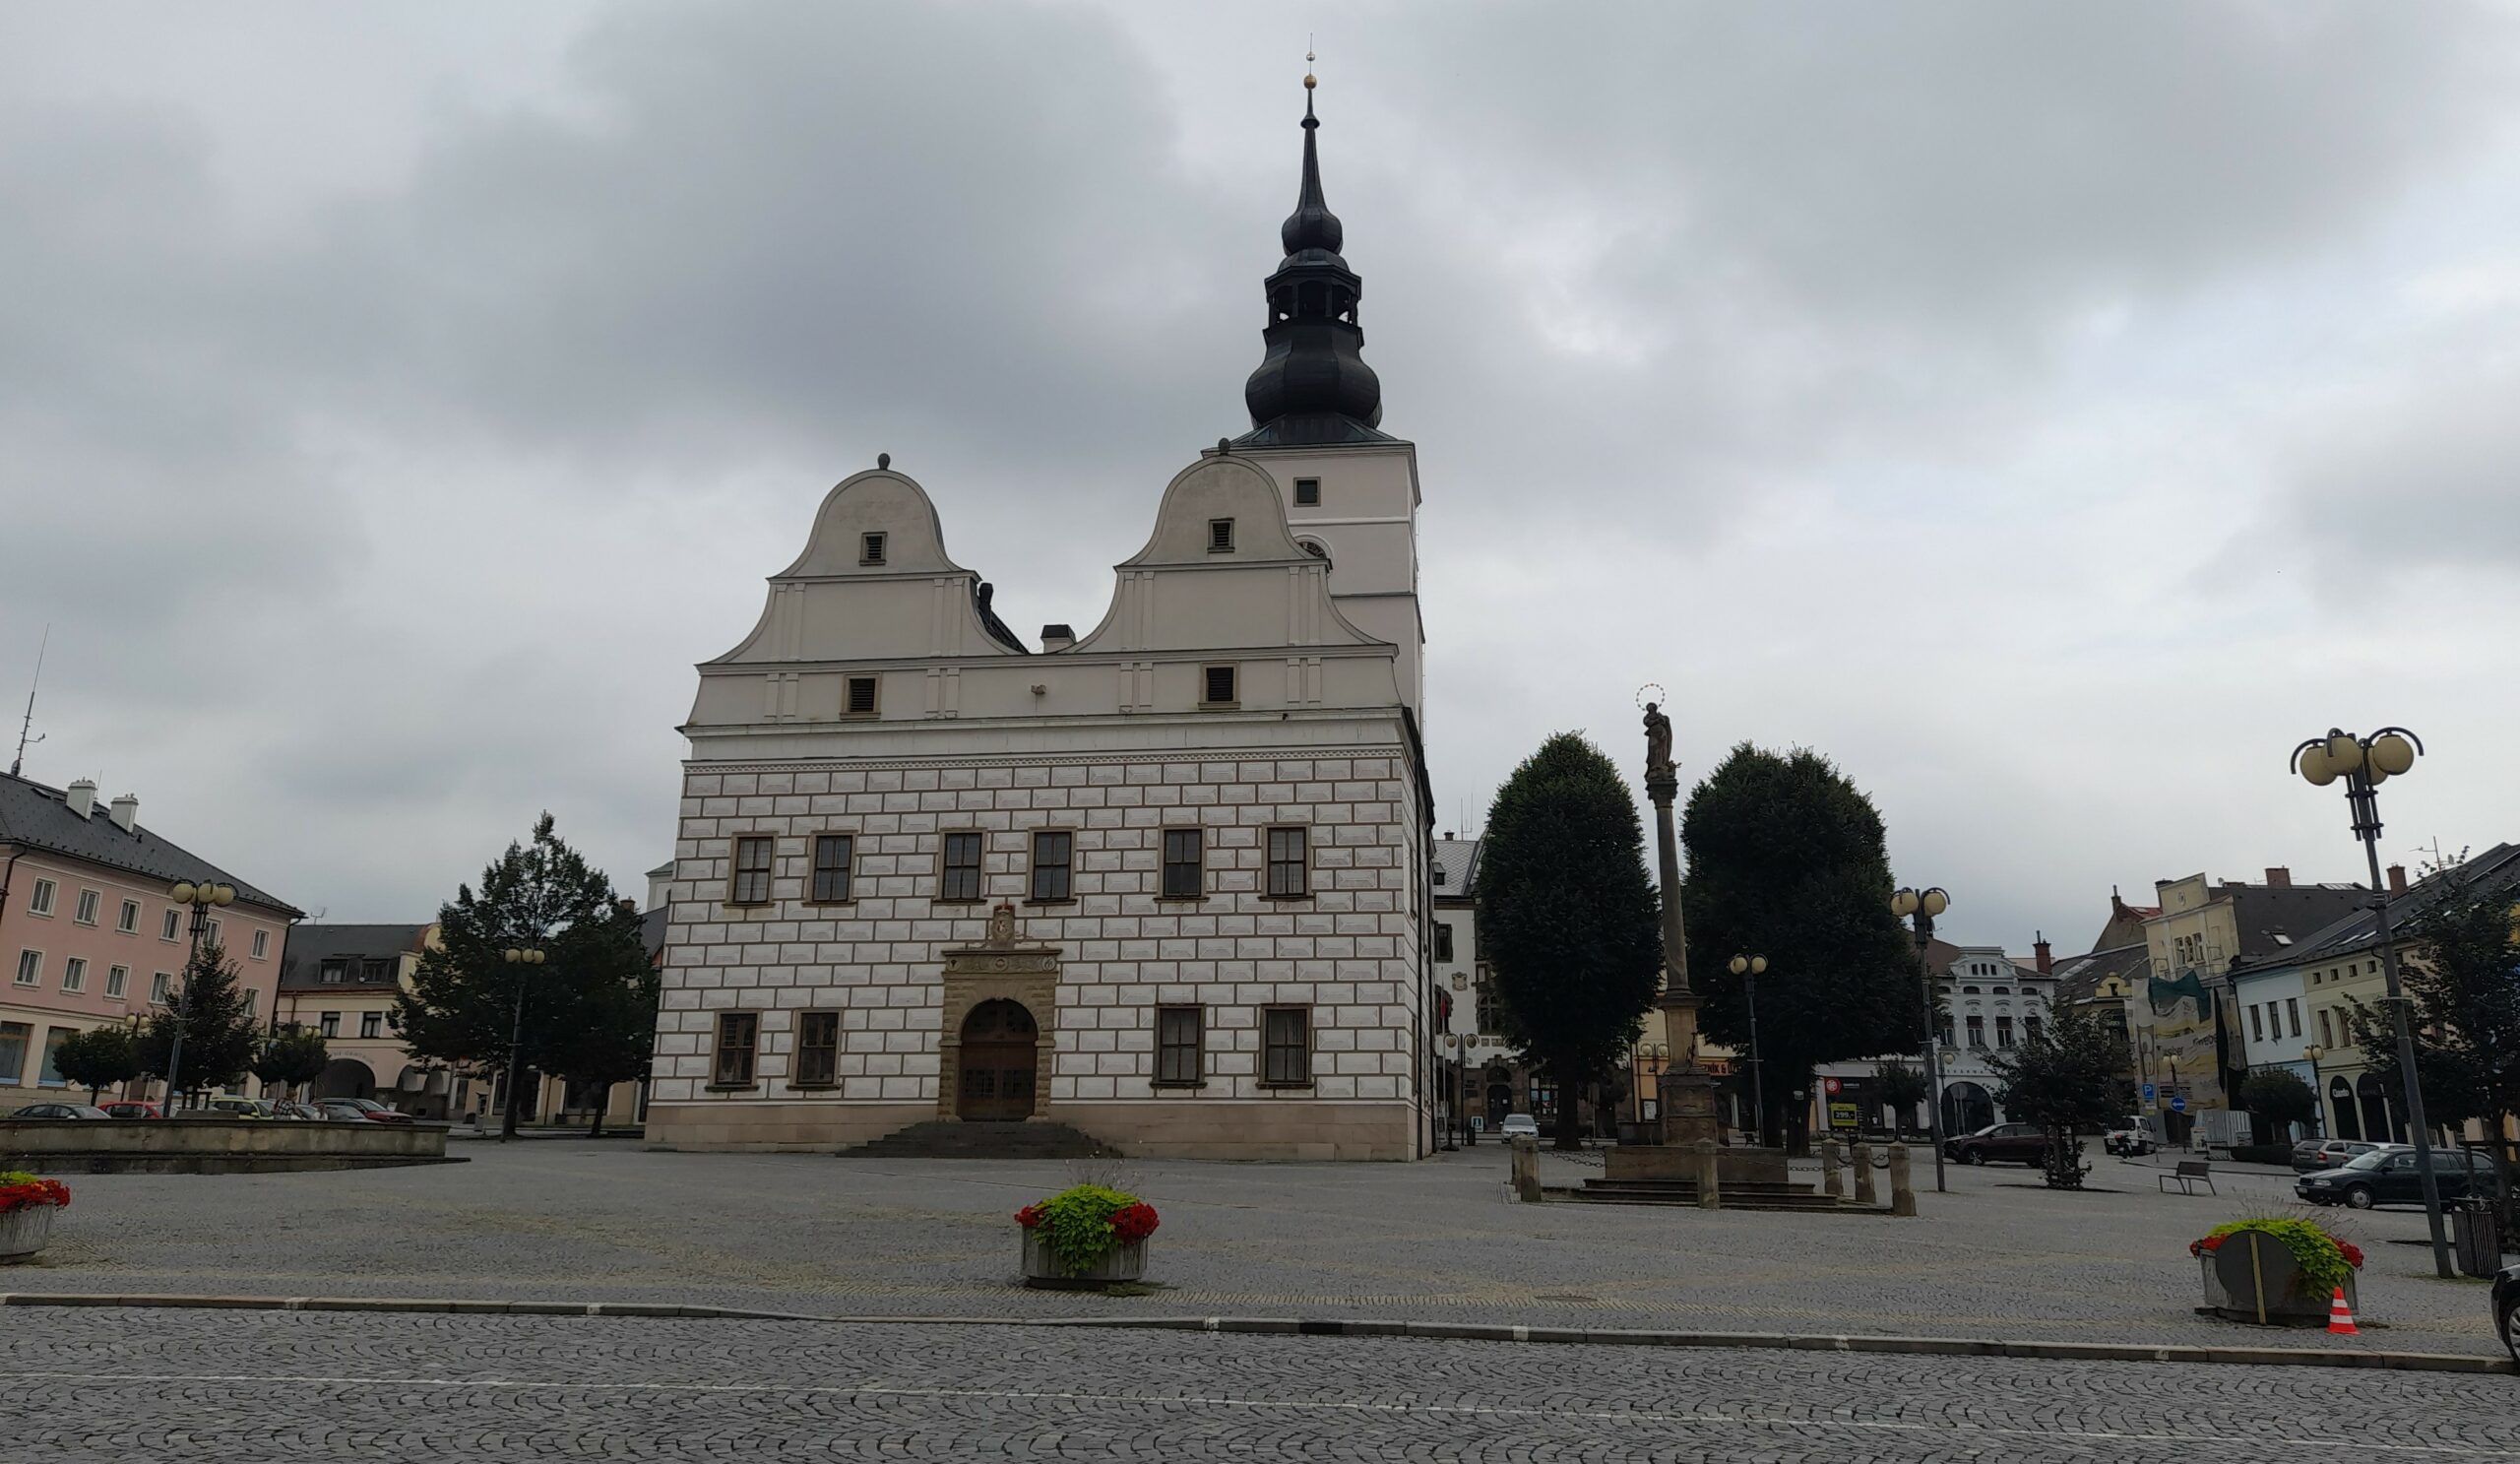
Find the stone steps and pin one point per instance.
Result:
(956, 1138)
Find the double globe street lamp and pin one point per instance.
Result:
(1748, 969)
(520, 956)
(2362, 764)
(202, 897)
(1920, 906)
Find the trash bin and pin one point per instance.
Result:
(2476, 1234)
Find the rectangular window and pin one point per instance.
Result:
(372, 1024)
(2293, 1013)
(2327, 1035)
(29, 967)
(160, 987)
(118, 982)
(1286, 1042)
(862, 697)
(1307, 492)
(74, 973)
(49, 1076)
(1443, 942)
(735, 1033)
(1977, 1032)
(128, 922)
(1053, 865)
(1176, 1044)
(870, 548)
(832, 856)
(86, 912)
(41, 902)
(2036, 1028)
(212, 935)
(13, 1037)
(329, 1023)
(1185, 873)
(2256, 1023)
(262, 944)
(252, 1000)
(376, 969)
(1289, 864)
(170, 926)
(752, 884)
(1219, 535)
(817, 1050)
(334, 969)
(962, 867)
(1216, 687)
(2003, 1032)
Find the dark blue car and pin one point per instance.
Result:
(2506, 1308)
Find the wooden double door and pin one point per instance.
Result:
(999, 1066)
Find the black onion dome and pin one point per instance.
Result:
(1313, 384)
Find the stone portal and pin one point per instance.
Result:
(996, 1053)
(996, 1065)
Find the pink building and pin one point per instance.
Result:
(88, 932)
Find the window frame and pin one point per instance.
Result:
(41, 899)
(720, 1049)
(1304, 500)
(162, 988)
(2293, 1013)
(1269, 1047)
(1034, 868)
(1166, 1049)
(946, 867)
(875, 548)
(1197, 864)
(117, 982)
(333, 971)
(815, 871)
(371, 1025)
(1441, 939)
(796, 1075)
(1208, 672)
(28, 973)
(262, 950)
(1219, 535)
(874, 707)
(1977, 1029)
(74, 973)
(1270, 863)
(172, 927)
(88, 908)
(328, 1026)
(737, 872)
(127, 920)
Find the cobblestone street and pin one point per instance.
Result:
(562, 1220)
(84, 1387)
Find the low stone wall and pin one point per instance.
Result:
(215, 1146)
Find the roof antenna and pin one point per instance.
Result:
(26, 722)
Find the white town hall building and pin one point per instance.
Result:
(1166, 883)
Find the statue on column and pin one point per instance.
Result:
(1658, 766)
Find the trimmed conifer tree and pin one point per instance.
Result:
(219, 1029)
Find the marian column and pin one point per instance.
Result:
(1686, 1095)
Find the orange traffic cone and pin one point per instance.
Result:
(2340, 1318)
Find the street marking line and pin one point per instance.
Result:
(1294, 1405)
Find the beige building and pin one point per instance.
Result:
(1166, 883)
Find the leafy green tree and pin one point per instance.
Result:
(1567, 916)
(1786, 861)
(219, 1029)
(464, 1001)
(290, 1058)
(98, 1059)
(608, 1036)
(2064, 1079)
(2278, 1099)
(1901, 1088)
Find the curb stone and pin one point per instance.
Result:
(2084, 1352)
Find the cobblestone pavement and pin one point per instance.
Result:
(85, 1387)
(1436, 1241)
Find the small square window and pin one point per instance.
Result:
(1219, 535)
(128, 922)
(870, 548)
(376, 969)
(372, 1024)
(1053, 865)
(1307, 492)
(832, 855)
(752, 884)
(736, 1031)
(1217, 687)
(336, 969)
(1289, 864)
(861, 696)
(1184, 864)
(1176, 1045)
(962, 867)
(1286, 1042)
(329, 1023)
(817, 1050)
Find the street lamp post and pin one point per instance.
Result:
(1748, 968)
(202, 899)
(520, 957)
(2364, 763)
(1920, 906)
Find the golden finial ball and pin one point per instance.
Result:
(1309, 82)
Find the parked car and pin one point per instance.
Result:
(2387, 1176)
(1523, 1123)
(239, 1107)
(60, 1110)
(2506, 1310)
(2310, 1156)
(361, 1111)
(129, 1108)
(286, 1108)
(2020, 1143)
(2129, 1141)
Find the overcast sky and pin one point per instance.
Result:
(2050, 413)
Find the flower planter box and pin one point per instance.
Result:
(24, 1232)
(2289, 1304)
(1122, 1264)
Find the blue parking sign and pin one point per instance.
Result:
(2148, 1092)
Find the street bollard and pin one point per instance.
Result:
(1710, 1194)
(1832, 1184)
(1903, 1200)
(1863, 1173)
(1526, 1155)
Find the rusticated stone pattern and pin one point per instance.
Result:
(1349, 951)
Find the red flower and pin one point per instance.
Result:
(1132, 1222)
(2206, 1246)
(1029, 1217)
(28, 1194)
(2353, 1253)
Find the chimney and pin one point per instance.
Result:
(80, 797)
(1057, 637)
(2279, 878)
(127, 811)
(2038, 949)
(2397, 879)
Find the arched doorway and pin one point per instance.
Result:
(996, 1063)
(2340, 1098)
(1500, 1095)
(346, 1077)
(1966, 1107)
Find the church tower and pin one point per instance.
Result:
(1316, 408)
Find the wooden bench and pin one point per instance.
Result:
(2190, 1173)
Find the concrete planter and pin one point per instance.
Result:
(2289, 1302)
(24, 1232)
(1121, 1265)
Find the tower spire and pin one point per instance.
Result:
(1312, 385)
